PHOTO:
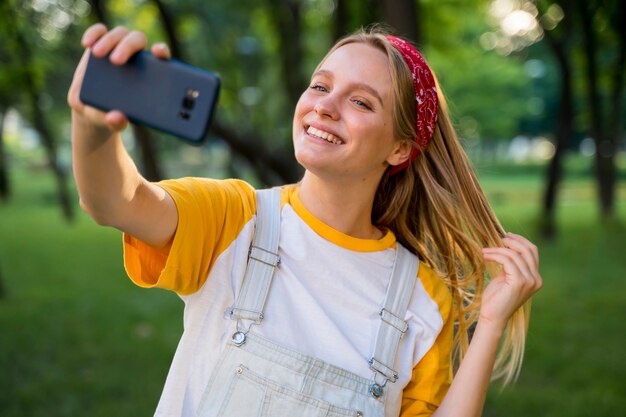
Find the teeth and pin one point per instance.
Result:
(329, 137)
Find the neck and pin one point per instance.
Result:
(346, 208)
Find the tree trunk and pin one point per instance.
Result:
(419, 33)
(271, 167)
(605, 151)
(340, 20)
(41, 125)
(169, 26)
(555, 167)
(99, 9)
(564, 128)
(2, 286)
(39, 121)
(287, 21)
(5, 186)
(402, 16)
(616, 99)
(150, 167)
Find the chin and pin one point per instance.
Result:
(306, 161)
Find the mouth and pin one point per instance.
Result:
(321, 134)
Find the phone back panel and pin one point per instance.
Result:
(164, 94)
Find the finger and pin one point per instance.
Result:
(161, 50)
(510, 260)
(507, 258)
(512, 276)
(524, 249)
(128, 46)
(530, 247)
(116, 120)
(107, 42)
(73, 95)
(92, 34)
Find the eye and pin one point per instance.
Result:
(319, 87)
(362, 104)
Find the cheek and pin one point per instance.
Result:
(373, 128)
(301, 109)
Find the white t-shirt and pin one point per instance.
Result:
(323, 302)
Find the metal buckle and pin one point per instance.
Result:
(393, 320)
(382, 369)
(264, 256)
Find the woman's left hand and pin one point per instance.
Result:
(518, 281)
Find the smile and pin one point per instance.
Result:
(328, 137)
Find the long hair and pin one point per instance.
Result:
(437, 210)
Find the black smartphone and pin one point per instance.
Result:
(167, 95)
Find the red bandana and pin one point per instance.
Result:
(425, 96)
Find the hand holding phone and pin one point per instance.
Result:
(164, 94)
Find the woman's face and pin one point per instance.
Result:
(343, 123)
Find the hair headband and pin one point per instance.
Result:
(425, 96)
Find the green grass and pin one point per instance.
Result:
(77, 338)
(574, 363)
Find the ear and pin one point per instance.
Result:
(400, 153)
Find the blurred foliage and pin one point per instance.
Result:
(240, 41)
(487, 91)
(492, 93)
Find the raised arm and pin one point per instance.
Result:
(505, 293)
(111, 189)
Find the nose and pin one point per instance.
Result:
(326, 107)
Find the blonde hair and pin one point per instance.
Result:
(437, 210)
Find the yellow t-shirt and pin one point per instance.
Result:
(205, 263)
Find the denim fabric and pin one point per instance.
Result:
(261, 378)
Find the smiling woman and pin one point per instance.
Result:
(350, 293)
(350, 101)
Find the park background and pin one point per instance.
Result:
(536, 90)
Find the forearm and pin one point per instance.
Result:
(106, 177)
(111, 189)
(466, 396)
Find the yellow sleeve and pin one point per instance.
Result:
(432, 376)
(211, 214)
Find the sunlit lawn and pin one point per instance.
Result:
(78, 339)
(575, 363)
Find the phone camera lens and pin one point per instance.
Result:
(193, 93)
(188, 103)
(184, 115)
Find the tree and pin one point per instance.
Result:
(602, 50)
(605, 126)
(287, 21)
(588, 35)
(5, 187)
(560, 43)
(8, 96)
(28, 78)
(402, 15)
(2, 289)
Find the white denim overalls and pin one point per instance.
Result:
(256, 377)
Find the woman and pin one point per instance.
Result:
(342, 328)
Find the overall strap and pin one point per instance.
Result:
(263, 259)
(392, 325)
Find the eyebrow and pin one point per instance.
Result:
(357, 85)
